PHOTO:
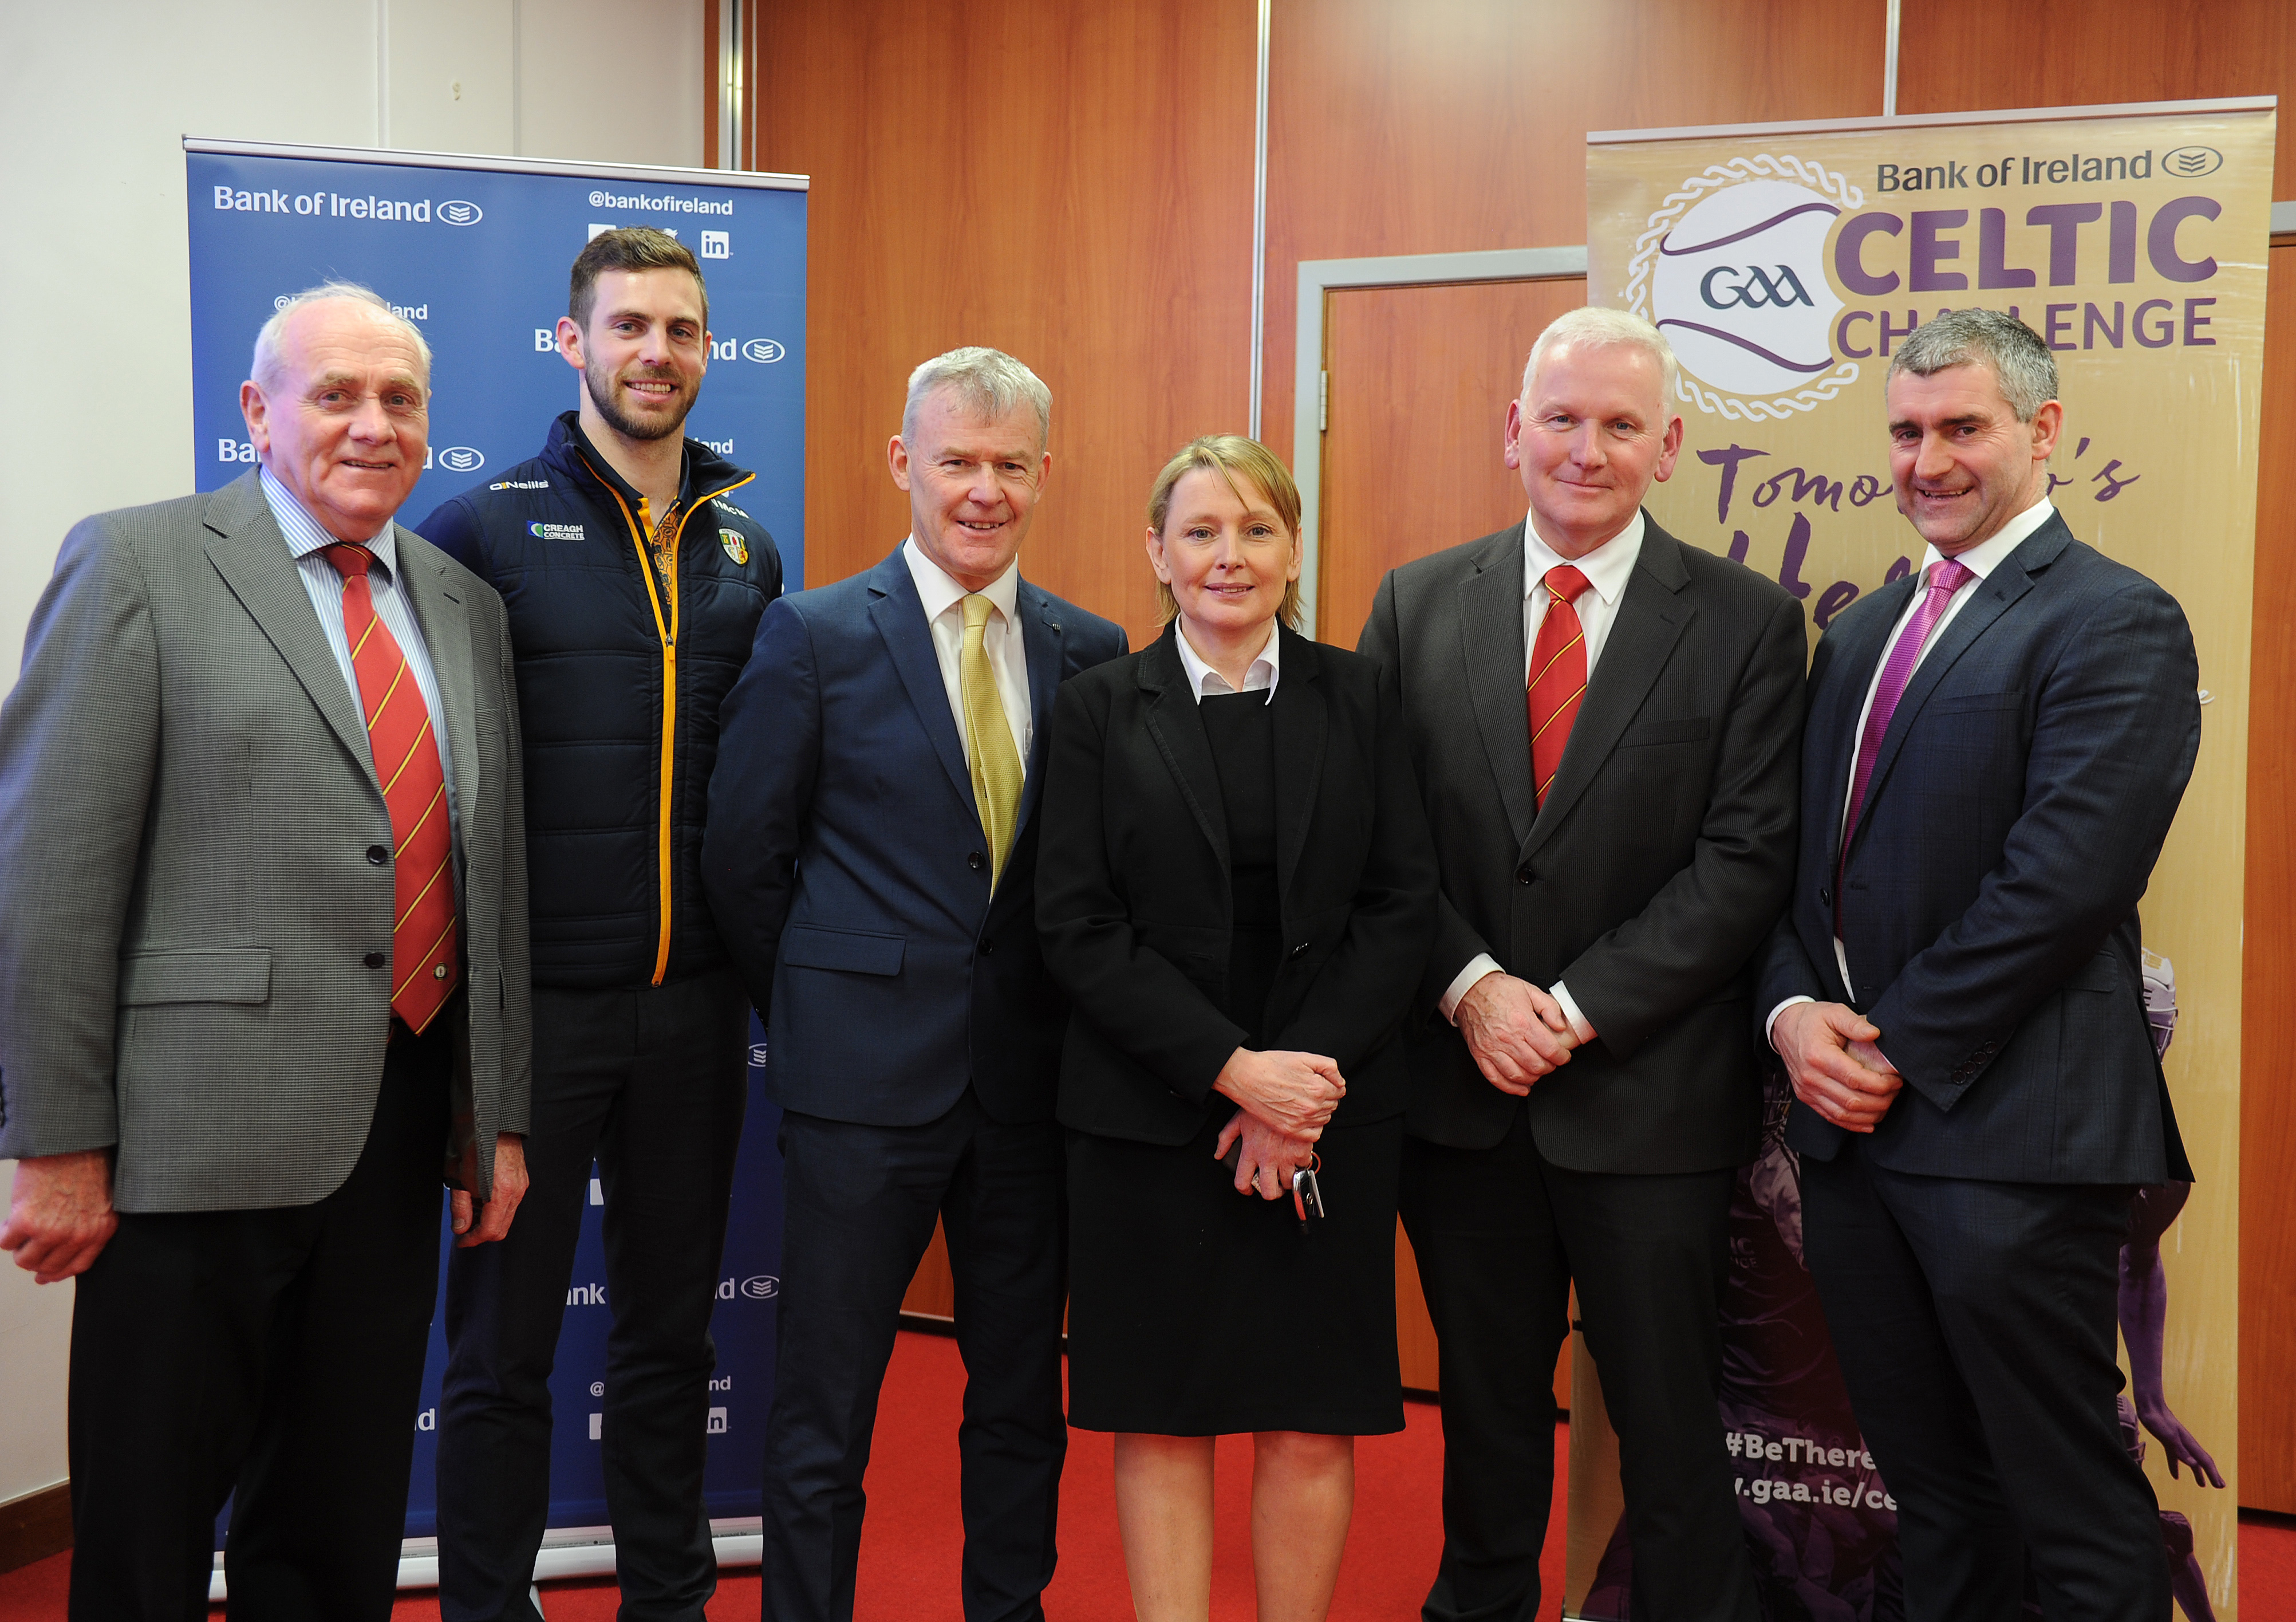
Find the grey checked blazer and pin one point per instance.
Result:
(186, 900)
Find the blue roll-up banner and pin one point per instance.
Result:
(476, 252)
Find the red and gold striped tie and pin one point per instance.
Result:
(1558, 676)
(425, 959)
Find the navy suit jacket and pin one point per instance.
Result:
(847, 869)
(2017, 805)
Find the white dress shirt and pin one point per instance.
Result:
(1980, 560)
(306, 543)
(1000, 639)
(1205, 682)
(1607, 568)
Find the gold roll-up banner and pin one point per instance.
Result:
(1784, 262)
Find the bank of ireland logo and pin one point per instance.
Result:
(1732, 269)
(736, 548)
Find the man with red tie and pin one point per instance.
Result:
(1605, 722)
(264, 982)
(1997, 744)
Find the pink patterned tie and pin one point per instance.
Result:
(1945, 579)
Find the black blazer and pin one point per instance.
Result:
(1653, 871)
(1133, 899)
(2017, 806)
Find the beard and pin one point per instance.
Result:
(600, 385)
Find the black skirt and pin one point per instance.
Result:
(1194, 1310)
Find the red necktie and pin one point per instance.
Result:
(1558, 676)
(425, 962)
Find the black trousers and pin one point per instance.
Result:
(860, 1203)
(1975, 1322)
(1501, 1234)
(652, 1083)
(274, 1352)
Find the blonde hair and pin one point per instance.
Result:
(1232, 456)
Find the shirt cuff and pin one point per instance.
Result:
(1482, 963)
(1769, 1025)
(1580, 1028)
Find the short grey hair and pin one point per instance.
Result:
(2021, 363)
(989, 381)
(1600, 328)
(265, 366)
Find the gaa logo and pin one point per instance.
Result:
(460, 213)
(1737, 283)
(763, 348)
(2190, 162)
(461, 459)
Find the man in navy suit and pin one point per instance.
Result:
(870, 859)
(1996, 748)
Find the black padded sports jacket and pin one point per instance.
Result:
(620, 677)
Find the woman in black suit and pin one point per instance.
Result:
(1236, 888)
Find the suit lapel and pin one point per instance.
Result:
(247, 550)
(1651, 619)
(1302, 723)
(1044, 646)
(1179, 729)
(1856, 659)
(1490, 634)
(443, 620)
(899, 615)
(1989, 600)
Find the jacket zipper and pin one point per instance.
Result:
(641, 534)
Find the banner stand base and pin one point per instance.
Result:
(566, 1551)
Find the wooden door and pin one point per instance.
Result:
(1419, 381)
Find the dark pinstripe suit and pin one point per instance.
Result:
(1965, 1251)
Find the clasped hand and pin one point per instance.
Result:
(1834, 1067)
(1515, 1031)
(1286, 1100)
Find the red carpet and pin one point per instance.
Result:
(909, 1552)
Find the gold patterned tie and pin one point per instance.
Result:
(988, 739)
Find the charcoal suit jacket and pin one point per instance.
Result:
(1647, 878)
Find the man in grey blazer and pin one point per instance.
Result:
(255, 994)
(1605, 723)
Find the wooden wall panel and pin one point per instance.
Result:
(1420, 381)
(2267, 1099)
(2079, 52)
(1447, 125)
(1072, 183)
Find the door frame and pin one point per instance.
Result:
(1319, 277)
